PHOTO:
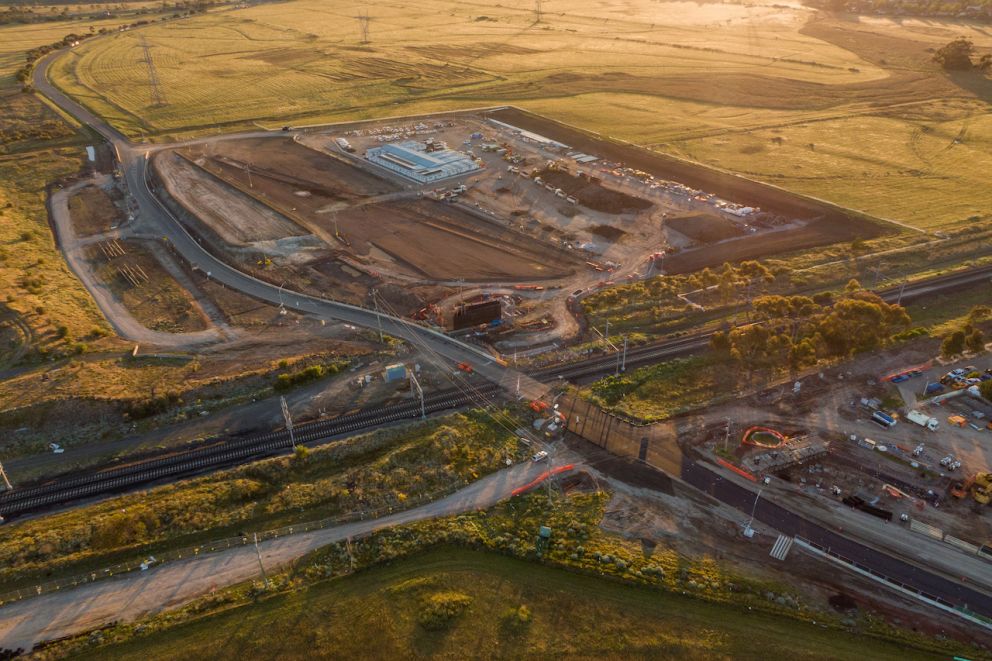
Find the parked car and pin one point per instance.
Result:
(540, 456)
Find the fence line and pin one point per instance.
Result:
(212, 547)
(933, 600)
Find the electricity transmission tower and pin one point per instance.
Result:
(158, 98)
(363, 23)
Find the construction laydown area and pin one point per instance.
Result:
(907, 446)
(432, 216)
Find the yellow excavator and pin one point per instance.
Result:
(981, 488)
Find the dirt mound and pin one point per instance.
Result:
(591, 194)
(704, 227)
(400, 298)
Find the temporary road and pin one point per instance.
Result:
(134, 164)
(72, 611)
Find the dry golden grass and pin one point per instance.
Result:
(305, 59)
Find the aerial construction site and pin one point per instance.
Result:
(437, 218)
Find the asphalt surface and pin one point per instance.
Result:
(134, 163)
(789, 523)
(152, 213)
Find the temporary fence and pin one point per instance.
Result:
(933, 600)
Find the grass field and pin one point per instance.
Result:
(744, 87)
(375, 615)
(305, 58)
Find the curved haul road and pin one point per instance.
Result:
(134, 163)
(133, 159)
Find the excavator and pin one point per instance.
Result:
(979, 486)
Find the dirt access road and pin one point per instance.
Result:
(119, 317)
(69, 612)
(133, 160)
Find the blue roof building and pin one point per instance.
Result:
(412, 160)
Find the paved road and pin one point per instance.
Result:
(153, 214)
(789, 523)
(133, 160)
(58, 614)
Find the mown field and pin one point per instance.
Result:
(852, 111)
(378, 613)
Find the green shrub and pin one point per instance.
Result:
(441, 608)
(286, 381)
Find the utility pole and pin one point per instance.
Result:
(289, 420)
(726, 438)
(878, 270)
(607, 331)
(260, 566)
(420, 391)
(248, 170)
(378, 318)
(6, 482)
(748, 531)
(623, 364)
(363, 24)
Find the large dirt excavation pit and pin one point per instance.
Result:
(591, 193)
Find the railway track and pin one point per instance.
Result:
(222, 452)
(689, 344)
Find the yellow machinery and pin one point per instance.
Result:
(981, 488)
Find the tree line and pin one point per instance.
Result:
(798, 331)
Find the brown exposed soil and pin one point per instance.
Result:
(608, 232)
(704, 227)
(818, 233)
(831, 224)
(93, 211)
(234, 216)
(286, 162)
(411, 233)
(367, 221)
(145, 287)
(591, 194)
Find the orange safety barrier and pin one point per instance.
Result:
(753, 430)
(737, 469)
(541, 478)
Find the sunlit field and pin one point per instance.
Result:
(848, 110)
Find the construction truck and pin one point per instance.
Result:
(923, 420)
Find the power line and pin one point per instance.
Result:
(363, 24)
(158, 97)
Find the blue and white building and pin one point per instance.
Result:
(411, 160)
